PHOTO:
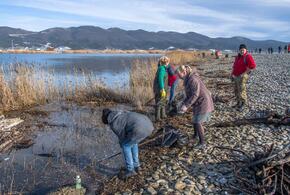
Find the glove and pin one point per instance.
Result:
(163, 94)
(182, 110)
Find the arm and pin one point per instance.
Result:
(236, 59)
(250, 63)
(161, 76)
(194, 93)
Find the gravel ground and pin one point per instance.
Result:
(187, 170)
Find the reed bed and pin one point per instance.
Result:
(24, 85)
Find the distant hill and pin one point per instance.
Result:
(91, 37)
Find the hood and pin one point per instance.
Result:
(113, 115)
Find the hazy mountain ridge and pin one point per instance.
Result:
(91, 37)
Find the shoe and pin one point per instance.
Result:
(138, 169)
(128, 174)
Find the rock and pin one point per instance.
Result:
(156, 176)
(162, 182)
(199, 186)
(151, 190)
(154, 185)
(179, 185)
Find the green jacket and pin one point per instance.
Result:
(160, 79)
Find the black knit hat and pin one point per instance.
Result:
(105, 115)
(243, 46)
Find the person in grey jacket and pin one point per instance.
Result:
(131, 128)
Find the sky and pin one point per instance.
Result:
(254, 19)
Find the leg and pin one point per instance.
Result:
(244, 80)
(157, 112)
(172, 91)
(236, 89)
(163, 108)
(200, 132)
(157, 108)
(135, 156)
(127, 150)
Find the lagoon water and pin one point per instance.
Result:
(70, 139)
(112, 69)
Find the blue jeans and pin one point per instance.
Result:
(130, 151)
(172, 91)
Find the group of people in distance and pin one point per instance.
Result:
(131, 127)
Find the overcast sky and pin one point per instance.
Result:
(255, 19)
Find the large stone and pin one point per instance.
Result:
(179, 185)
(151, 190)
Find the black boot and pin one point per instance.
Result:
(128, 174)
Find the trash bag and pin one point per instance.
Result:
(172, 137)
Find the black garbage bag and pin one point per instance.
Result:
(171, 136)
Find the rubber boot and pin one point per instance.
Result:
(163, 112)
(157, 113)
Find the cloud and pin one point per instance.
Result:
(278, 3)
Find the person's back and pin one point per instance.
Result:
(124, 123)
(194, 86)
(131, 128)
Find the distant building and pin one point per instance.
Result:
(171, 48)
(62, 49)
(192, 49)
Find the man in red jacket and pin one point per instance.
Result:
(243, 65)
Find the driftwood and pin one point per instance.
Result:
(269, 119)
(270, 171)
(8, 134)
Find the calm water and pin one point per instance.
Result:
(71, 145)
(112, 69)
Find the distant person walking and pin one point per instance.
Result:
(242, 67)
(260, 50)
(172, 83)
(131, 128)
(199, 98)
(160, 88)
(279, 49)
(285, 49)
(289, 48)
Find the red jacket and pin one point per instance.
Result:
(171, 75)
(242, 62)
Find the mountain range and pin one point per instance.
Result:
(92, 37)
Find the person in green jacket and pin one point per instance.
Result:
(160, 87)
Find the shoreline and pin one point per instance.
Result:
(192, 171)
(84, 52)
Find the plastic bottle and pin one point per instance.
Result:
(78, 182)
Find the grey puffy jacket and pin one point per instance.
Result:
(130, 127)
